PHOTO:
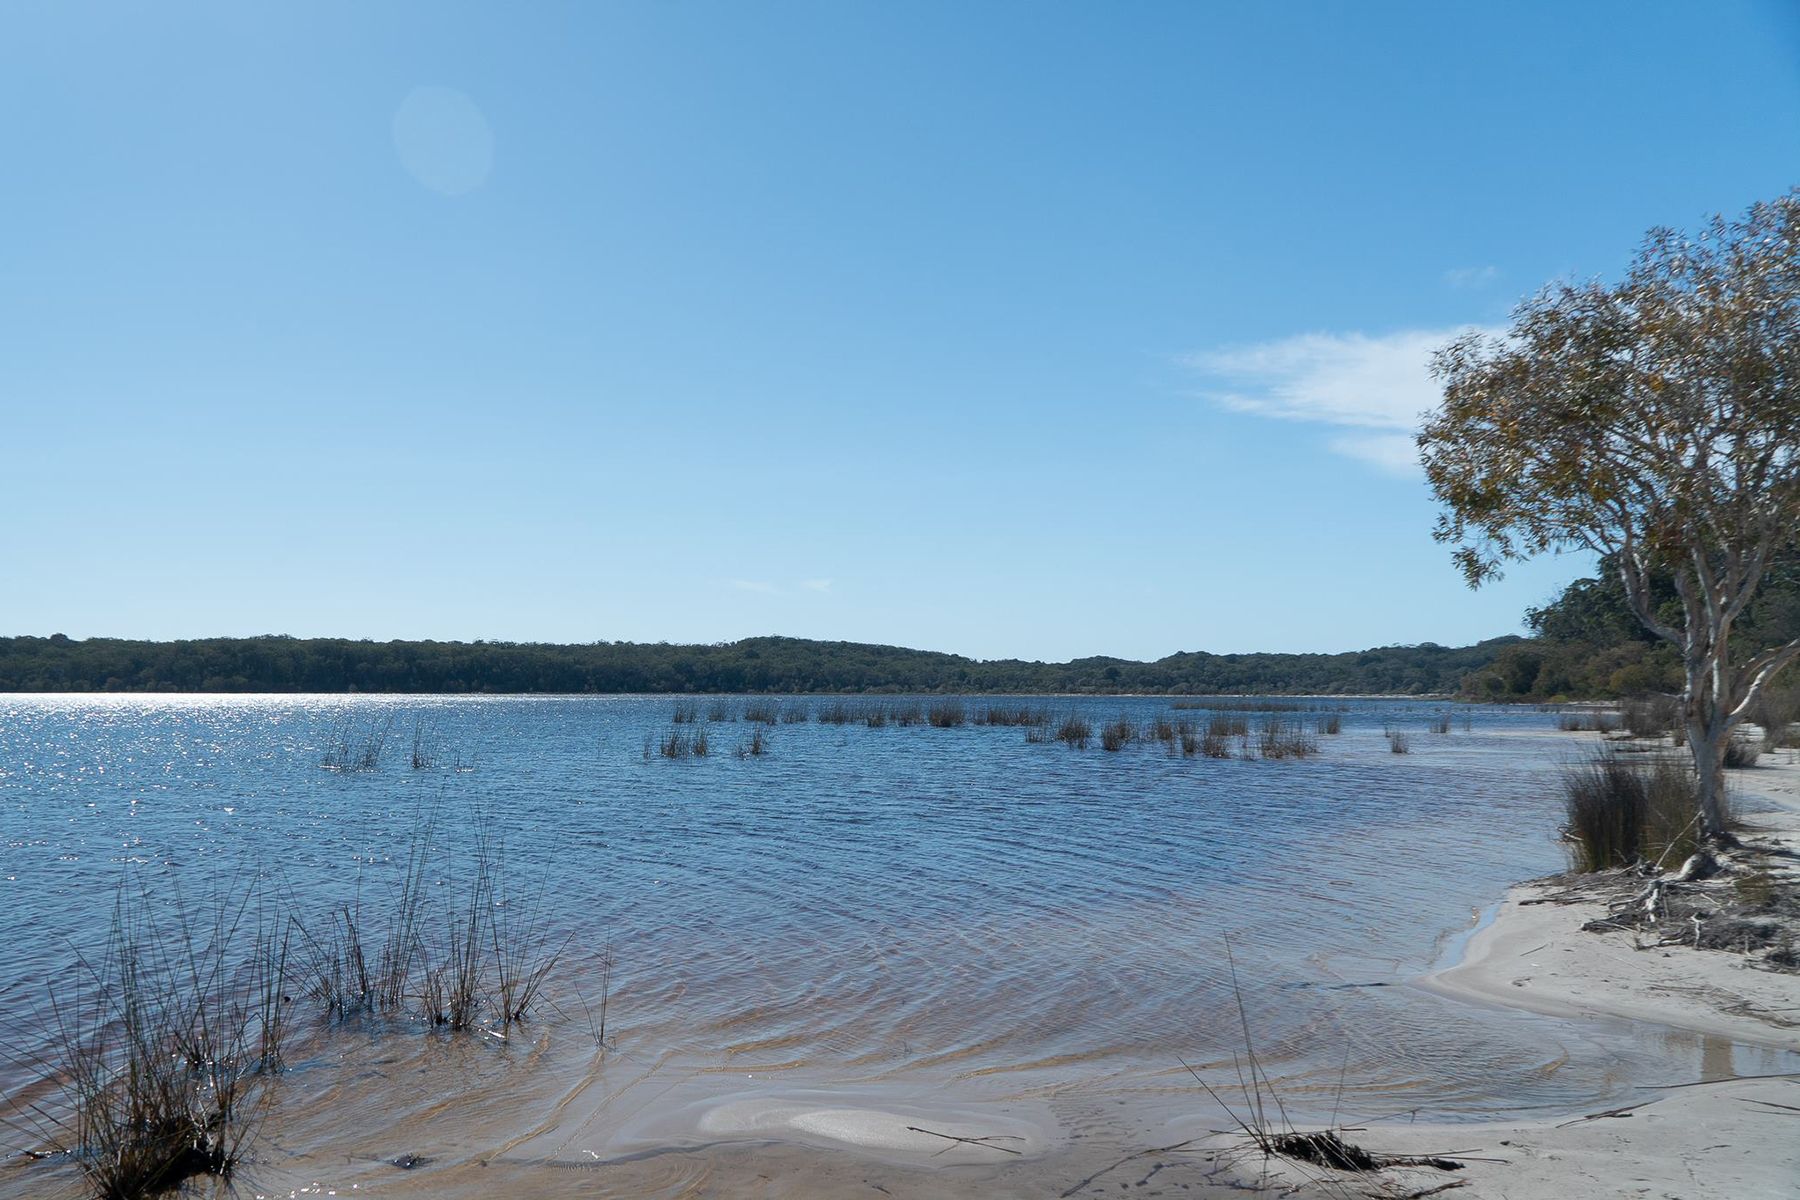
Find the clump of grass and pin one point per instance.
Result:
(1075, 731)
(162, 1047)
(700, 745)
(720, 710)
(1588, 721)
(1398, 743)
(678, 743)
(908, 714)
(1280, 738)
(1776, 712)
(686, 712)
(1440, 723)
(1648, 716)
(353, 750)
(999, 714)
(1620, 812)
(795, 712)
(1214, 745)
(1328, 723)
(836, 713)
(1228, 726)
(947, 714)
(875, 716)
(1741, 753)
(1117, 733)
(762, 712)
(757, 746)
(1164, 731)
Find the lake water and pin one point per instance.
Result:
(931, 920)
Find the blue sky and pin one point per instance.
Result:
(1009, 329)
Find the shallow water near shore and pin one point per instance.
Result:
(866, 937)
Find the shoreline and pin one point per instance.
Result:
(1725, 1134)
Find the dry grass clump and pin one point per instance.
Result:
(679, 743)
(1440, 723)
(1398, 742)
(1620, 812)
(1776, 713)
(794, 712)
(996, 714)
(762, 712)
(1281, 738)
(483, 954)
(720, 710)
(947, 714)
(1117, 733)
(1590, 720)
(354, 749)
(1328, 723)
(1741, 753)
(1075, 731)
(757, 746)
(836, 713)
(686, 712)
(162, 1048)
(908, 714)
(1649, 715)
(875, 716)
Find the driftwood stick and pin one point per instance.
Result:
(986, 1143)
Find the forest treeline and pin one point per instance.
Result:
(767, 664)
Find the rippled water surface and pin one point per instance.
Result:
(948, 918)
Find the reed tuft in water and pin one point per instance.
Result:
(947, 714)
(1075, 731)
(1117, 734)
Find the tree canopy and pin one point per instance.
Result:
(1656, 422)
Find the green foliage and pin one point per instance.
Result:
(284, 664)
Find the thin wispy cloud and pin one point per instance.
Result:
(1472, 277)
(764, 587)
(1374, 389)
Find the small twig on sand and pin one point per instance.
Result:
(1611, 1112)
(986, 1143)
(1432, 1191)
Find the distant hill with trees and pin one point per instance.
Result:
(765, 664)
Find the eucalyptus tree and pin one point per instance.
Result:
(1655, 421)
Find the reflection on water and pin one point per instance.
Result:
(951, 918)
